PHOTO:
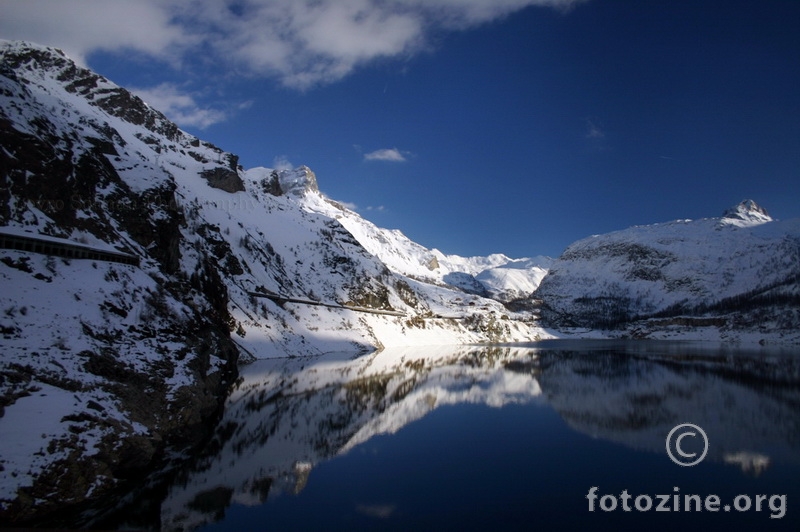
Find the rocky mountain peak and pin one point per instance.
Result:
(747, 211)
(297, 181)
(96, 89)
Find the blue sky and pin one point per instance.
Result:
(474, 126)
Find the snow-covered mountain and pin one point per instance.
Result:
(739, 271)
(108, 369)
(140, 263)
(496, 276)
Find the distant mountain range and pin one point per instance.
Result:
(738, 275)
(141, 264)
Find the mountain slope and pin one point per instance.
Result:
(496, 276)
(742, 267)
(132, 361)
(108, 370)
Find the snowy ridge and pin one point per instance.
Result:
(729, 266)
(132, 360)
(496, 276)
(239, 213)
(746, 214)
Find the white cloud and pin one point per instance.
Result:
(390, 154)
(349, 205)
(302, 43)
(282, 163)
(379, 208)
(179, 106)
(80, 27)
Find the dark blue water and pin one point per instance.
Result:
(512, 440)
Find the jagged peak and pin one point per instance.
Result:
(52, 63)
(297, 181)
(25, 47)
(52, 71)
(747, 212)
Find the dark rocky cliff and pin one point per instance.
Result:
(145, 389)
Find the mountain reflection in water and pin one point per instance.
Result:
(287, 417)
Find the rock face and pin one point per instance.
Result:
(297, 181)
(748, 212)
(743, 266)
(140, 358)
(120, 367)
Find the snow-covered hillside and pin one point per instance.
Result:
(132, 361)
(108, 370)
(739, 271)
(496, 276)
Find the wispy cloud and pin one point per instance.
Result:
(181, 107)
(379, 208)
(301, 43)
(390, 154)
(593, 131)
(281, 162)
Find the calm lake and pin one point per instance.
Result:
(503, 438)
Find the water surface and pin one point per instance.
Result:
(505, 438)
